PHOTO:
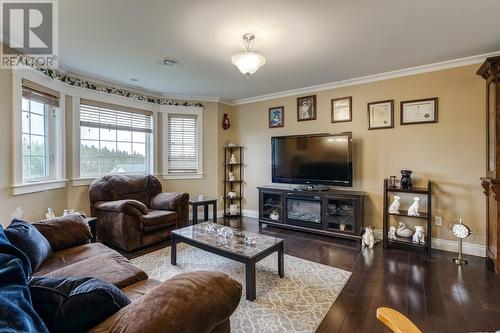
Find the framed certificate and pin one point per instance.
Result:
(420, 111)
(381, 114)
(342, 109)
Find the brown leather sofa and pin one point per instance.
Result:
(133, 212)
(193, 302)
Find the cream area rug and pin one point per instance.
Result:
(296, 303)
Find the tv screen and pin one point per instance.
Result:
(312, 159)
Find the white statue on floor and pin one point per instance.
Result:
(415, 206)
(368, 239)
(394, 207)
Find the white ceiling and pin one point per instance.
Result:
(305, 42)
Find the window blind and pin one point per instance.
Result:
(40, 97)
(99, 117)
(182, 143)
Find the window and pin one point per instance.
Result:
(114, 141)
(40, 116)
(183, 143)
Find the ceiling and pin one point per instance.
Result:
(304, 42)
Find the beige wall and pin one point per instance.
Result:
(451, 152)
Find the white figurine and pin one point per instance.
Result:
(232, 159)
(231, 194)
(368, 239)
(233, 209)
(231, 176)
(274, 215)
(419, 235)
(394, 207)
(403, 231)
(415, 206)
(17, 214)
(391, 234)
(50, 214)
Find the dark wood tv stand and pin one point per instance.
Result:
(334, 212)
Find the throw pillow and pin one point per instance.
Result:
(75, 304)
(29, 240)
(16, 311)
(65, 232)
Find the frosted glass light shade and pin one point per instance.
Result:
(248, 62)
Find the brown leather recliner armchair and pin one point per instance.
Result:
(133, 212)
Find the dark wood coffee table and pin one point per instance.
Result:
(205, 237)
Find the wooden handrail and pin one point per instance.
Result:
(397, 322)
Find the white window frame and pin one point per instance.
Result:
(77, 179)
(57, 167)
(180, 110)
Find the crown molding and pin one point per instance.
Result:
(135, 88)
(194, 98)
(369, 78)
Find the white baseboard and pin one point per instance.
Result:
(437, 243)
(250, 213)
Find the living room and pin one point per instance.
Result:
(286, 166)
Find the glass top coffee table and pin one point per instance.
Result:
(241, 246)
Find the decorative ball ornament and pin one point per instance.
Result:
(461, 231)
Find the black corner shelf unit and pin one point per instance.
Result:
(233, 185)
(403, 242)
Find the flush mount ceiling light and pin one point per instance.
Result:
(248, 62)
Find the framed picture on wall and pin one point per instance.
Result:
(306, 108)
(419, 111)
(342, 109)
(381, 114)
(277, 116)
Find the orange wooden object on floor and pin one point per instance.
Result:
(397, 322)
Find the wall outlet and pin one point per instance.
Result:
(438, 220)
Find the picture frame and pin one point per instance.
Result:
(341, 109)
(306, 108)
(419, 111)
(276, 117)
(381, 114)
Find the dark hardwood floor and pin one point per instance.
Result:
(436, 294)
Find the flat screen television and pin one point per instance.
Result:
(312, 159)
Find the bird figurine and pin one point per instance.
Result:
(403, 231)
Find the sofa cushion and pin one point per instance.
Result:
(157, 218)
(93, 259)
(29, 240)
(69, 305)
(65, 232)
(16, 311)
(141, 288)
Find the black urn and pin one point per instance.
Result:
(406, 179)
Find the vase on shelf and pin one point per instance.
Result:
(406, 179)
(233, 209)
